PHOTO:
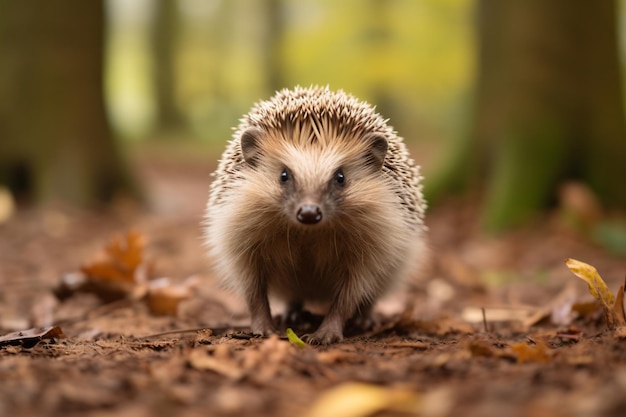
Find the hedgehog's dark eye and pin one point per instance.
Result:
(340, 178)
(284, 176)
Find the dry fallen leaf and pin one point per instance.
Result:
(121, 260)
(531, 353)
(119, 272)
(30, 337)
(360, 400)
(164, 297)
(482, 349)
(597, 288)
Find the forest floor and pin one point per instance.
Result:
(496, 326)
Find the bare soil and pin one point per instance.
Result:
(533, 353)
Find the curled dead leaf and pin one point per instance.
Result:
(29, 338)
(597, 288)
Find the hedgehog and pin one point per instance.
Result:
(315, 200)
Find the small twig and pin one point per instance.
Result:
(485, 320)
(169, 332)
(180, 331)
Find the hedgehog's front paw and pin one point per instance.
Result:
(322, 337)
(330, 331)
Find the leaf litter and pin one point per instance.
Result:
(121, 271)
(551, 355)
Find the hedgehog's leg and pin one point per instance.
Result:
(331, 329)
(259, 307)
(362, 320)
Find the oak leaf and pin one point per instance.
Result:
(120, 271)
(121, 261)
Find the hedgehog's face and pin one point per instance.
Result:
(310, 180)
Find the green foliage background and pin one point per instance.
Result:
(419, 54)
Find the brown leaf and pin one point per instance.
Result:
(122, 258)
(531, 353)
(480, 349)
(118, 272)
(30, 337)
(164, 297)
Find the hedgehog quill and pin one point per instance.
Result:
(315, 199)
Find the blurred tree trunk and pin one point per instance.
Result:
(378, 42)
(55, 140)
(164, 45)
(548, 108)
(274, 28)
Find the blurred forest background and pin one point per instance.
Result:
(501, 101)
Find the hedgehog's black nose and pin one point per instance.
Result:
(309, 214)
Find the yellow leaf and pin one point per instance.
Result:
(294, 339)
(597, 287)
(360, 400)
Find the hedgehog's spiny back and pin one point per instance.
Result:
(318, 114)
(315, 103)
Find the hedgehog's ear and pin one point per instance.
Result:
(376, 150)
(250, 145)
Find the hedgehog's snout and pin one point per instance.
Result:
(309, 214)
